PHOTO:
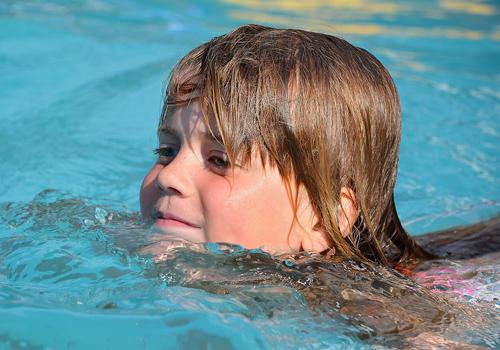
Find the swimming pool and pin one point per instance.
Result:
(81, 91)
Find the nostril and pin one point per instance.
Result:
(166, 189)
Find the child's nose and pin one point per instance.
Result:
(176, 177)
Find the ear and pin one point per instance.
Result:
(348, 211)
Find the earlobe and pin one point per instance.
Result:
(348, 211)
(313, 236)
(309, 234)
(316, 241)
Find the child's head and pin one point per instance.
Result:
(282, 139)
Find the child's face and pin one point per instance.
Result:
(192, 192)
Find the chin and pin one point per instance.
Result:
(178, 234)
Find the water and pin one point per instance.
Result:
(81, 90)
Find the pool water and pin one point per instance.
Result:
(81, 88)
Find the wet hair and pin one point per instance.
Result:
(325, 113)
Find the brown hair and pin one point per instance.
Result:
(324, 112)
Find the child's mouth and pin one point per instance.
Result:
(171, 226)
(167, 220)
(162, 222)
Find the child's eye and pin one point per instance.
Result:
(166, 153)
(220, 161)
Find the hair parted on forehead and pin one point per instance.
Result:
(324, 112)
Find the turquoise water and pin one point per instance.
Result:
(80, 94)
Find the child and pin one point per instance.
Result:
(281, 139)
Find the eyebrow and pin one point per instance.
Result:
(165, 129)
(214, 137)
(207, 135)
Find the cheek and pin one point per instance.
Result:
(149, 192)
(252, 214)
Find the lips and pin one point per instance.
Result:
(168, 220)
